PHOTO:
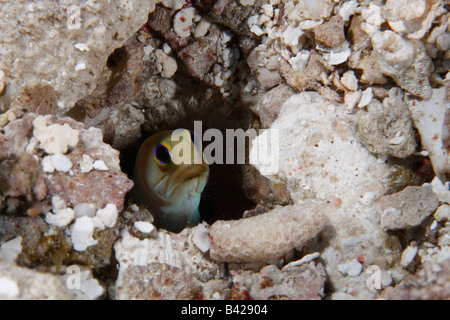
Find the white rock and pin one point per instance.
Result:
(55, 138)
(81, 46)
(11, 249)
(61, 162)
(92, 289)
(352, 268)
(372, 15)
(167, 65)
(309, 24)
(443, 42)
(148, 49)
(291, 35)
(82, 232)
(8, 288)
(366, 98)
(174, 4)
(305, 259)
(307, 9)
(201, 238)
(408, 255)
(86, 163)
(338, 55)
(144, 226)
(267, 9)
(348, 9)
(58, 203)
(80, 66)
(257, 30)
(183, 21)
(400, 13)
(351, 99)
(349, 80)
(47, 164)
(100, 165)
(2, 80)
(61, 218)
(442, 213)
(441, 190)
(428, 117)
(434, 225)
(108, 215)
(202, 28)
(300, 60)
(98, 223)
(393, 48)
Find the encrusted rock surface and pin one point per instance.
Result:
(266, 236)
(305, 282)
(70, 41)
(407, 208)
(430, 283)
(26, 284)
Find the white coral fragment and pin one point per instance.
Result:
(8, 288)
(412, 18)
(82, 231)
(61, 218)
(86, 163)
(61, 163)
(2, 80)
(144, 226)
(100, 165)
(166, 64)
(108, 215)
(55, 138)
(408, 255)
(352, 268)
(10, 250)
(407, 62)
(350, 81)
(428, 117)
(174, 4)
(47, 164)
(200, 237)
(184, 20)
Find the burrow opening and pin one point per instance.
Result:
(223, 197)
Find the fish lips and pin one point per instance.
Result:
(191, 177)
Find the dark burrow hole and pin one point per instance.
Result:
(223, 197)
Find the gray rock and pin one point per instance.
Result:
(407, 208)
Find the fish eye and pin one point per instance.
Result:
(162, 155)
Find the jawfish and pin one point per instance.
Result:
(168, 182)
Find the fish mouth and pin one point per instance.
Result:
(184, 174)
(187, 176)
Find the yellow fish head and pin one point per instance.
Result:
(170, 175)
